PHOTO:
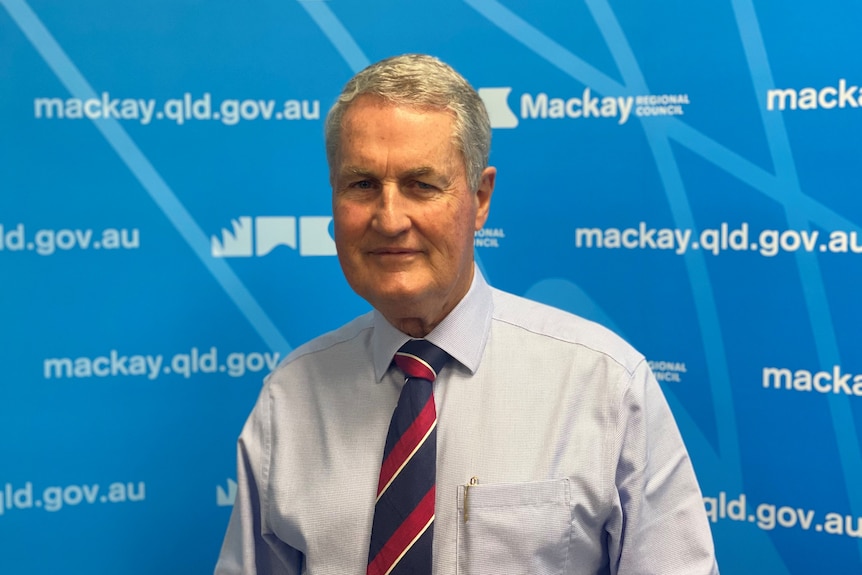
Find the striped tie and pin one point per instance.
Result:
(403, 527)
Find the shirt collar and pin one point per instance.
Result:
(462, 334)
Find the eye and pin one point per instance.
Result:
(425, 186)
(361, 185)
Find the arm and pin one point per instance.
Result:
(249, 545)
(663, 528)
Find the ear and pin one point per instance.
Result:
(483, 196)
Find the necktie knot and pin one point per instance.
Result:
(420, 358)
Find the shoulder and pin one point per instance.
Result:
(546, 324)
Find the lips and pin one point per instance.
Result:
(393, 251)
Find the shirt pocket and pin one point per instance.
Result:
(514, 529)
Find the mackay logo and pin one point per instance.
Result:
(247, 238)
(587, 104)
(843, 95)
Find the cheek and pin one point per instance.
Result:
(348, 222)
(466, 225)
(456, 238)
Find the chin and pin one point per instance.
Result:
(401, 298)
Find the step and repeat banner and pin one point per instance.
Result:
(687, 173)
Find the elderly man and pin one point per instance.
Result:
(545, 444)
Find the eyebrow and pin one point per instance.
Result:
(420, 171)
(355, 171)
(411, 173)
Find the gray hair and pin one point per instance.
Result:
(422, 81)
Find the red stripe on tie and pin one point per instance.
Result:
(414, 366)
(404, 537)
(409, 441)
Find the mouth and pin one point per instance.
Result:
(393, 252)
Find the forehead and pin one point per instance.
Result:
(373, 128)
(371, 110)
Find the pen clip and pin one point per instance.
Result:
(473, 482)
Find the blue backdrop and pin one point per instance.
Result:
(685, 172)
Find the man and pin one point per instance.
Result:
(555, 450)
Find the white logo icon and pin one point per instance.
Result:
(272, 231)
(226, 499)
(499, 112)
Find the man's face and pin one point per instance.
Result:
(404, 214)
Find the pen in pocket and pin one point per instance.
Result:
(473, 482)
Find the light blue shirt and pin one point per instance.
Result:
(578, 464)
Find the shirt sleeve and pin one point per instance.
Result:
(249, 545)
(663, 528)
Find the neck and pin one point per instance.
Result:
(414, 327)
(418, 320)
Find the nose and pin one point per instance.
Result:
(391, 215)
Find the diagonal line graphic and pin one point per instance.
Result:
(540, 44)
(146, 174)
(335, 31)
(716, 356)
(810, 277)
(755, 176)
